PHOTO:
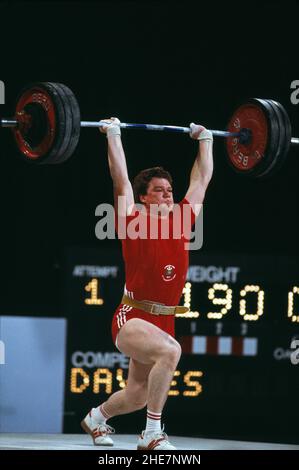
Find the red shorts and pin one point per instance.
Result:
(124, 313)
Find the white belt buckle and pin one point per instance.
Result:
(152, 309)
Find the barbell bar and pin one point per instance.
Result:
(12, 123)
(154, 127)
(47, 126)
(161, 127)
(244, 133)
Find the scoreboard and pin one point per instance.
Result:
(239, 371)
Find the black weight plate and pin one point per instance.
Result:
(286, 130)
(273, 142)
(279, 125)
(73, 127)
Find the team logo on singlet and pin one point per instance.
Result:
(168, 272)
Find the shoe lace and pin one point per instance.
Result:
(105, 428)
(159, 434)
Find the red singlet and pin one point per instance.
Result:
(155, 268)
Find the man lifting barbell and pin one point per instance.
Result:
(143, 324)
(47, 125)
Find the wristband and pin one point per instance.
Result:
(113, 129)
(206, 135)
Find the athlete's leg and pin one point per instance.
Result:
(132, 398)
(134, 395)
(149, 345)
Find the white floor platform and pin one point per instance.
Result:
(124, 442)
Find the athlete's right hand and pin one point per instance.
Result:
(111, 126)
(198, 132)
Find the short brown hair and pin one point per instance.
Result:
(142, 180)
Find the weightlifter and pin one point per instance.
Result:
(143, 324)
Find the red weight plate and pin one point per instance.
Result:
(246, 157)
(35, 96)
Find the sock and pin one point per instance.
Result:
(100, 415)
(153, 422)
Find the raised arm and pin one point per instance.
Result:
(202, 169)
(118, 166)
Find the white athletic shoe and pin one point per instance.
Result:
(157, 440)
(99, 432)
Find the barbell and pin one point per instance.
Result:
(47, 124)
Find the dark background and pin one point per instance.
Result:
(155, 62)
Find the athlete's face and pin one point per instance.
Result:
(159, 192)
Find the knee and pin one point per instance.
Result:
(172, 354)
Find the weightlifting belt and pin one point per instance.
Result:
(153, 307)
